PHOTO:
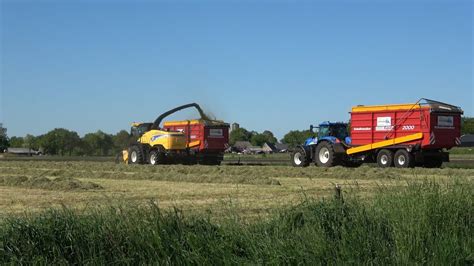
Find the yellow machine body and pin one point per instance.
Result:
(167, 140)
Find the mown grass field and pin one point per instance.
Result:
(101, 212)
(254, 190)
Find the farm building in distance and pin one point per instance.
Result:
(247, 147)
(269, 148)
(23, 151)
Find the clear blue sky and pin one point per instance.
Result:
(271, 65)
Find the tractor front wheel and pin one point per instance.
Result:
(135, 155)
(298, 158)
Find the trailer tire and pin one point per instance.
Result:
(298, 158)
(404, 159)
(385, 158)
(135, 155)
(325, 155)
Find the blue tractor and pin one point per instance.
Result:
(327, 147)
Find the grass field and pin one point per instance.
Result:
(255, 190)
(241, 203)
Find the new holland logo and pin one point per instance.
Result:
(155, 137)
(432, 138)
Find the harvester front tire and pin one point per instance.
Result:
(404, 159)
(298, 158)
(325, 155)
(135, 155)
(385, 158)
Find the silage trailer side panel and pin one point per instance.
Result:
(440, 124)
(202, 135)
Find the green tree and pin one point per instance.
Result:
(258, 139)
(16, 142)
(4, 142)
(98, 143)
(59, 141)
(240, 134)
(121, 140)
(467, 125)
(31, 142)
(296, 137)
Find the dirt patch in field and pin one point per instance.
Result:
(60, 183)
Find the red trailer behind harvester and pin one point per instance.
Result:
(206, 139)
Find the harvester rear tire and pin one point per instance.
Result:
(135, 155)
(404, 159)
(325, 155)
(298, 158)
(385, 158)
(156, 157)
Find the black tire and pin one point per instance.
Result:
(298, 158)
(135, 155)
(433, 162)
(156, 157)
(325, 155)
(385, 158)
(403, 159)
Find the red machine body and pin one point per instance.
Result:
(440, 124)
(203, 136)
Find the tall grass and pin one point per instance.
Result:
(424, 223)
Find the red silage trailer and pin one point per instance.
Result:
(207, 139)
(405, 134)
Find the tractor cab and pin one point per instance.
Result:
(337, 130)
(138, 129)
(331, 131)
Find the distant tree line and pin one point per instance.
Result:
(63, 142)
(292, 138)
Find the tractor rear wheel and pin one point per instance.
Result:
(385, 158)
(135, 155)
(404, 159)
(325, 156)
(298, 158)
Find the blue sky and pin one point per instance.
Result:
(277, 65)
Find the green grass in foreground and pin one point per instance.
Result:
(425, 223)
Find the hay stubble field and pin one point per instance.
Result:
(254, 191)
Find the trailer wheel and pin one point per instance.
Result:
(156, 157)
(298, 158)
(135, 155)
(385, 158)
(404, 159)
(325, 156)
